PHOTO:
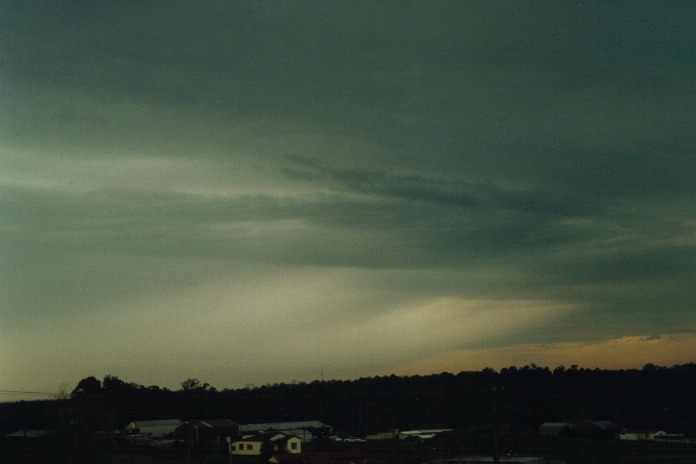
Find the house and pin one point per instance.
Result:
(578, 428)
(327, 457)
(636, 435)
(383, 435)
(153, 428)
(604, 425)
(206, 432)
(672, 437)
(554, 429)
(302, 429)
(420, 435)
(252, 445)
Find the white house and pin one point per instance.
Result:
(251, 445)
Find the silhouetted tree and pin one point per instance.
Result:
(195, 385)
(86, 387)
(651, 397)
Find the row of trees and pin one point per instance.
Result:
(652, 397)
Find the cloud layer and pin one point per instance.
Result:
(260, 192)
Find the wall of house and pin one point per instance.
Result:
(249, 448)
(294, 445)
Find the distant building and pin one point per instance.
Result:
(383, 435)
(28, 434)
(604, 425)
(206, 432)
(578, 428)
(672, 437)
(420, 435)
(252, 445)
(637, 435)
(153, 428)
(554, 429)
(302, 429)
(658, 435)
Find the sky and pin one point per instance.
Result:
(253, 192)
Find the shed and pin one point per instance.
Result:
(153, 428)
(206, 431)
(554, 429)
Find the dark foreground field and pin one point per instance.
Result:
(556, 451)
(581, 451)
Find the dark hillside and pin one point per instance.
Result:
(649, 398)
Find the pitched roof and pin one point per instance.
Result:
(259, 437)
(282, 426)
(211, 423)
(604, 424)
(32, 433)
(556, 425)
(154, 423)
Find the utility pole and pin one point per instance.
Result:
(494, 417)
(189, 447)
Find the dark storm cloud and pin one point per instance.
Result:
(570, 95)
(445, 164)
(401, 55)
(413, 226)
(439, 191)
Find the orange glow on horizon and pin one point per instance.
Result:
(620, 353)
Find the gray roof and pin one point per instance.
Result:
(604, 424)
(259, 437)
(27, 434)
(212, 423)
(425, 431)
(282, 426)
(154, 423)
(556, 425)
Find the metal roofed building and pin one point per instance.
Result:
(554, 429)
(302, 429)
(420, 434)
(206, 431)
(26, 434)
(153, 428)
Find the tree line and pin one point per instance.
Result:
(653, 397)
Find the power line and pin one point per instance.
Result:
(27, 392)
